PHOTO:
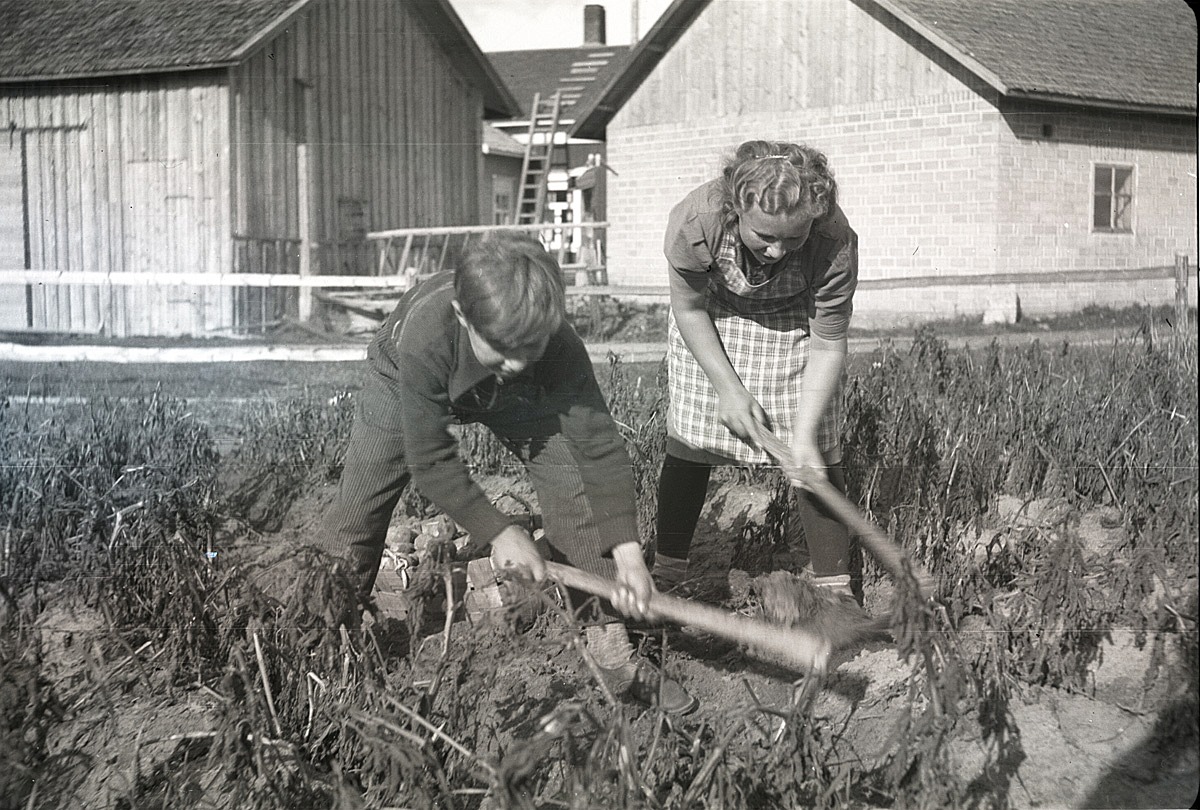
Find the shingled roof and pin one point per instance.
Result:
(580, 73)
(49, 40)
(1140, 53)
(1130, 54)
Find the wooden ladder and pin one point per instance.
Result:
(543, 128)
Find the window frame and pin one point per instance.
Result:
(503, 190)
(1112, 195)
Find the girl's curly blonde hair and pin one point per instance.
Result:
(778, 177)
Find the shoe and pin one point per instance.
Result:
(653, 687)
(668, 572)
(837, 585)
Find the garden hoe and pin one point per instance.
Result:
(890, 556)
(803, 627)
(797, 646)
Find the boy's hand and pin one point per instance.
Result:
(513, 549)
(632, 597)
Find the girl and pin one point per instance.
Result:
(763, 267)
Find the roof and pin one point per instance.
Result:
(592, 118)
(1138, 55)
(48, 39)
(1132, 53)
(54, 40)
(500, 143)
(580, 73)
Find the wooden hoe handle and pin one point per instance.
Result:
(890, 556)
(806, 650)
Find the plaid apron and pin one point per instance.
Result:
(764, 328)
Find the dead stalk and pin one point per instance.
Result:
(120, 518)
(365, 719)
(443, 736)
(262, 670)
(577, 643)
(448, 579)
(1112, 491)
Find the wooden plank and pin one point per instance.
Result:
(173, 248)
(138, 194)
(477, 229)
(410, 217)
(42, 155)
(89, 298)
(289, 91)
(112, 160)
(345, 165)
(146, 279)
(390, 81)
(71, 210)
(202, 231)
(210, 169)
(359, 77)
(149, 279)
(95, 247)
(328, 133)
(160, 307)
(13, 306)
(378, 172)
(40, 253)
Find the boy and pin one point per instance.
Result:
(489, 343)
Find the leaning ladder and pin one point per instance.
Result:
(543, 128)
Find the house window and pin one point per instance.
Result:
(1112, 200)
(352, 219)
(502, 200)
(502, 209)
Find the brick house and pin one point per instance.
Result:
(208, 137)
(987, 151)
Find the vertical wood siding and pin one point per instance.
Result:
(123, 176)
(394, 125)
(745, 57)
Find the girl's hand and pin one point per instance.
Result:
(513, 550)
(740, 412)
(632, 597)
(807, 460)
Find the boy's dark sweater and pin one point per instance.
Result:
(424, 355)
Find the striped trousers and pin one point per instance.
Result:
(376, 472)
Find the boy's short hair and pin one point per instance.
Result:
(510, 290)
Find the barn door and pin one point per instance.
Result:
(14, 306)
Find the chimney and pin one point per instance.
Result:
(593, 24)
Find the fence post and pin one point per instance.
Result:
(1182, 332)
(304, 302)
(1181, 288)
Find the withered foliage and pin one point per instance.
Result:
(126, 505)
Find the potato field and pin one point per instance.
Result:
(168, 639)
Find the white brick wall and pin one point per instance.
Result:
(944, 185)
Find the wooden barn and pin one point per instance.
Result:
(987, 151)
(206, 137)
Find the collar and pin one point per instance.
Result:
(468, 371)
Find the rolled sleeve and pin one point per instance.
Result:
(833, 292)
(693, 232)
